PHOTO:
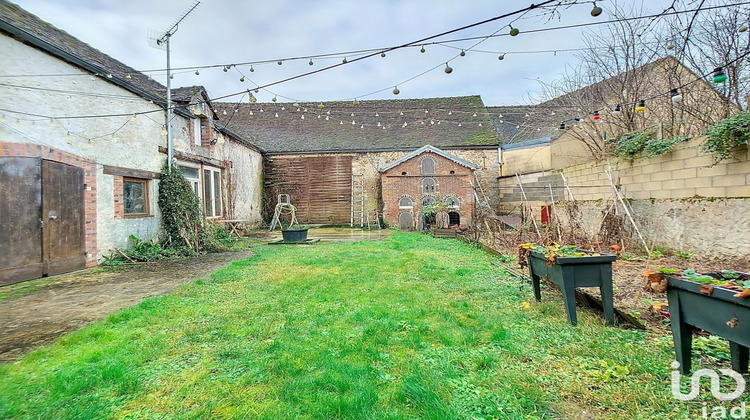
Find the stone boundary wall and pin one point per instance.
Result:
(682, 200)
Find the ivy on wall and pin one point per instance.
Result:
(728, 134)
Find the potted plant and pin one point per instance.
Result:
(437, 211)
(293, 232)
(570, 267)
(716, 302)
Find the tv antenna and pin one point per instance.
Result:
(160, 41)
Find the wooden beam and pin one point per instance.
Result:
(194, 158)
(132, 173)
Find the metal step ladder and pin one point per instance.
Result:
(358, 200)
(373, 220)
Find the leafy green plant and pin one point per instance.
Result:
(655, 147)
(181, 211)
(631, 144)
(668, 270)
(684, 255)
(728, 134)
(692, 275)
(609, 371)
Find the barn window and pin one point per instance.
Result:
(452, 202)
(428, 201)
(428, 166)
(135, 196)
(405, 203)
(428, 185)
(212, 191)
(454, 218)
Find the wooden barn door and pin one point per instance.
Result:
(41, 219)
(63, 244)
(20, 220)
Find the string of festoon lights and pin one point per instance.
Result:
(717, 76)
(512, 30)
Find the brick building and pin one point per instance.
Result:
(421, 178)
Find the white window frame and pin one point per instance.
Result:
(195, 183)
(215, 207)
(197, 131)
(400, 207)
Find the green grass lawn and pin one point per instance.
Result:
(405, 327)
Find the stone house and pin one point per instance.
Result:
(328, 155)
(82, 141)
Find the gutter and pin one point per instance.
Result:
(399, 149)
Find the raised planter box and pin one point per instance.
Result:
(294, 235)
(572, 272)
(716, 310)
(444, 233)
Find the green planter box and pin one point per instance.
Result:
(572, 272)
(294, 235)
(719, 313)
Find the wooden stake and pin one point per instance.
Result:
(554, 212)
(531, 211)
(630, 216)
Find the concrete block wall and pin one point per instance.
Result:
(687, 172)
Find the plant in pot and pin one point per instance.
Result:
(293, 232)
(717, 302)
(570, 267)
(436, 212)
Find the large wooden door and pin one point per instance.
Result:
(20, 220)
(41, 219)
(63, 245)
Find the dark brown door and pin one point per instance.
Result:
(63, 246)
(20, 220)
(41, 219)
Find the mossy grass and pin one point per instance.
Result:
(406, 327)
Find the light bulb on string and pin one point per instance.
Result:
(382, 54)
(352, 114)
(676, 97)
(596, 11)
(344, 60)
(596, 116)
(321, 106)
(396, 91)
(513, 31)
(302, 117)
(743, 28)
(562, 126)
(171, 76)
(641, 106)
(356, 102)
(242, 79)
(274, 100)
(252, 98)
(276, 114)
(279, 62)
(719, 75)
(617, 110)
(128, 76)
(422, 50)
(501, 57)
(401, 113)
(462, 53)
(311, 62)
(226, 69)
(252, 69)
(197, 73)
(448, 69)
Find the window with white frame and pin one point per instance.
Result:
(452, 202)
(406, 203)
(193, 175)
(212, 191)
(197, 131)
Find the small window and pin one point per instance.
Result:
(428, 185)
(197, 131)
(452, 202)
(428, 166)
(135, 196)
(428, 201)
(405, 203)
(212, 192)
(193, 175)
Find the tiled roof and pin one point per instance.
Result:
(515, 124)
(186, 94)
(281, 128)
(30, 29)
(428, 148)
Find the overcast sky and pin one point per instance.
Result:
(230, 31)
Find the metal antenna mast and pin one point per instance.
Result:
(162, 42)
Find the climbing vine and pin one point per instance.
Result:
(181, 212)
(728, 134)
(645, 142)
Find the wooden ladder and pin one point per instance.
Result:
(358, 200)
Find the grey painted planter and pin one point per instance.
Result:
(294, 235)
(572, 272)
(716, 313)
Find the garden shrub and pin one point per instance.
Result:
(728, 134)
(181, 215)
